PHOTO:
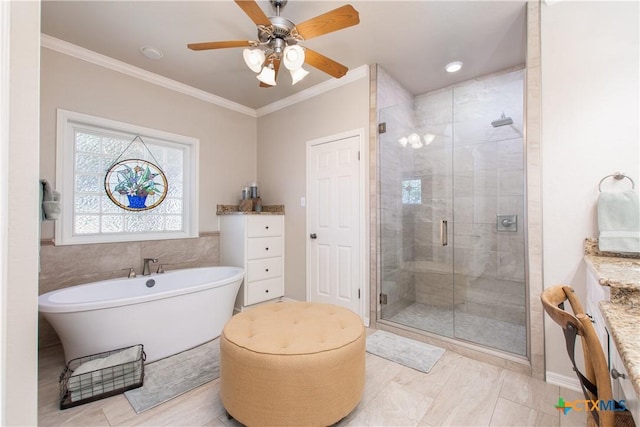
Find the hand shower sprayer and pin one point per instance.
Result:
(502, 121)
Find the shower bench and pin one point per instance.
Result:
(292, 363)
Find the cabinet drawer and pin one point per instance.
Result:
(264, 247)
(260, 269)
(265, 226)
(264, 290)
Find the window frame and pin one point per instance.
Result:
(67, 122)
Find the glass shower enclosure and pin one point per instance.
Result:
(451, 198)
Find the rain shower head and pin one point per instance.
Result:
(502, 121)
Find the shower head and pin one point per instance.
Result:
(502, 121)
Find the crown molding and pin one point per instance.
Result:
(133, 71)
(90, 56)
(351, 76)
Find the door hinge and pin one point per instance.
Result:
(358, 155)
(382, 127)
(358, 293)
(383, 299)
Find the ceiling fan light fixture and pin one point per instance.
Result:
(297, 75)
(267, 75)
(254, 58)
(293, 57)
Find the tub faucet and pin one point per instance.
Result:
(145, 266)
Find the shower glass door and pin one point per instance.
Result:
(451, 199)
(416, 212)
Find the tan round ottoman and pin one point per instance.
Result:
(292, 364)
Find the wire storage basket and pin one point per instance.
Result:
(90, 378)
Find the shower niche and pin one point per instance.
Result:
(451, 208)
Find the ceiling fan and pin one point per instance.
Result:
(278, 40)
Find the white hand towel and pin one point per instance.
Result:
(619, 222)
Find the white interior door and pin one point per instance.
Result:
(334, 225)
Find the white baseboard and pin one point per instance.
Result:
(570, 383)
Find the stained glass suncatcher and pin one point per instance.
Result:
(136, 184)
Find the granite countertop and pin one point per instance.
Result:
(235, 210)
(623, 323)
(621, 273)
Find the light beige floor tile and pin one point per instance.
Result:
(457, 391)
(378, 373)
(530, 392)
(508, 413)
(468, 398)
(395, 405)
(572, 418)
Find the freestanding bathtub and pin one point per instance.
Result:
(167, 313)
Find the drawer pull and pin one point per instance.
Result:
(266, 249)
(266, 227)
(266, 290)
(266, 269)
(615, 374)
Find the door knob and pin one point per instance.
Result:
(313, 235)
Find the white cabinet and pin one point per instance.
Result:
(254, 242)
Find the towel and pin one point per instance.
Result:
(619, 221)
(50, 206)
(104, 369)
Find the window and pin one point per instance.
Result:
(411, 192)
(87, 148)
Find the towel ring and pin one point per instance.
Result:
(618, 176)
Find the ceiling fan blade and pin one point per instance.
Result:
(251, 8)
(276, 67)
(219, 45)
(325, 64)
(337, 19)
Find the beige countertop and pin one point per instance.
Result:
(623, 323)
(235, 210)
(621, 273)
(615, 272)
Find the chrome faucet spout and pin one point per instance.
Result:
(145, 265)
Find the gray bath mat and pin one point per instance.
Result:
(405, 351)
(175, 375)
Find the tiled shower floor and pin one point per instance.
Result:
(492, 333)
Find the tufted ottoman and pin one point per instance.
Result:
(292, 363)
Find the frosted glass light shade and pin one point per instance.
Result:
(403, 141)
(293, 57)
(297, 75)
(429, 138)
(254, 58)
(267, 76)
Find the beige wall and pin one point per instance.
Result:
(282, 142)
(227, 138)
(19, 218)
(590, 87)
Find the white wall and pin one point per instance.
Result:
(19, 218)
(590, 78)
(227, 138)
(282, 138)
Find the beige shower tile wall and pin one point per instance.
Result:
(64, 266)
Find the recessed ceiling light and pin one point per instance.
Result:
(151, 52)
(452, 67)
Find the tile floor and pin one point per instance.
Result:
(481, 330)
(457, 392)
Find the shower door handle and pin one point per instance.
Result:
(443, 232)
